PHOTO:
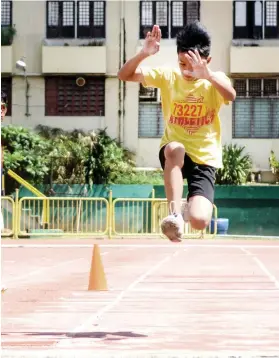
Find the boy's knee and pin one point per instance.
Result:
(199, 222)
(174, 154)
(200, 212)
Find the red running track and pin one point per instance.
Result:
(200, 298)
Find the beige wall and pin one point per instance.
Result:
(266, 59)
(216, 15)
(29, 18)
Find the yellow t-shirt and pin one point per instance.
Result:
(191, 113)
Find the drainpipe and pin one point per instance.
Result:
(21, 65)
(121, 83)
(27, 95)
(124, 83)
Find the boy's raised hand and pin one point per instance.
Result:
(152, 41)
(199, 66)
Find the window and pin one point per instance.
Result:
(256, 108)
(63, 97)
(171, 16)
(6, 13)
(6, 86)
(62, 18)
(151, 123)
(91, 19)
(256, 19)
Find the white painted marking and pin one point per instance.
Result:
(248, 253)
(33, 273)
(240, 291)
(118, 298)
(272, 278)
(74, 301)
(139, 246)
(162, 353)
(92, 293)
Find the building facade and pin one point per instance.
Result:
(73, 50)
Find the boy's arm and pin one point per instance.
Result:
(222, 85)
(220, 82)
(129, 71)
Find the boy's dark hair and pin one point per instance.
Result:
(4, 97)
(194, 36)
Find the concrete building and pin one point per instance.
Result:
(73, 50)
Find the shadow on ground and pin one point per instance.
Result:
(97, 335)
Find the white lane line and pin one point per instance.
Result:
(139, 353)
(204, 290)
(36, 272)
(117, 299)
(271, 277)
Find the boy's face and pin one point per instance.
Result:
(185, 65)
(3, 110)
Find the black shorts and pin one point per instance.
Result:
(200, 177)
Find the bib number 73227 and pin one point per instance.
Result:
(187, 110)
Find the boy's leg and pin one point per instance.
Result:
(172, 161)
(201, 195)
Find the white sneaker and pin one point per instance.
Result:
(172, 226)
(184, 211)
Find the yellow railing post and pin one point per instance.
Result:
(33, 190)
(133, 217)
(153, 211)
(17, 215)
(110, 215)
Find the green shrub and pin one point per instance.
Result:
(68, 154)
(7, 35)
(51, 155)
(91, 158)
(25, 153)
(108, 161)
(274, 164)
(142, 177)
(236, 166)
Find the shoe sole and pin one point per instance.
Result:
(171, 230)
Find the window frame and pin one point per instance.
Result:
(175, 29)
(169, 31)
(52, 101)
(91, 31)
(145, 28)
(75, 31)
(11, 13)
(250, 31)
(60, 31)
(151, 96)
(253, 98)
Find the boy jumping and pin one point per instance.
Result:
(191, 145)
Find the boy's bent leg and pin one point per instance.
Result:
(172, 160)
(199, 212)
(201, 196)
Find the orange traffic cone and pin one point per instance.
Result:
(97, 279)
